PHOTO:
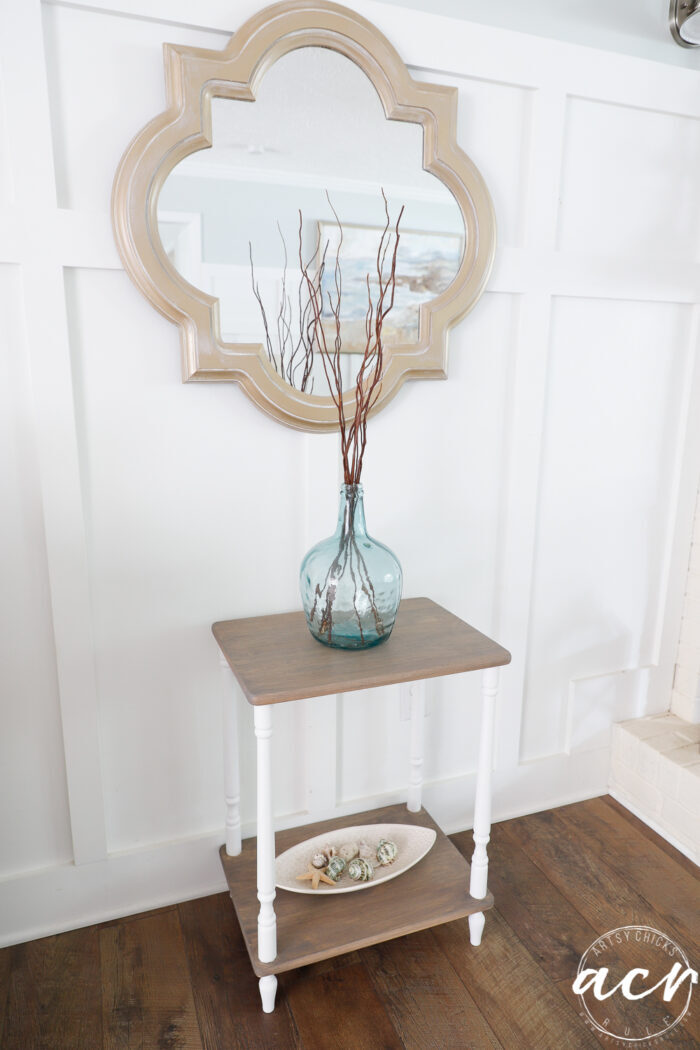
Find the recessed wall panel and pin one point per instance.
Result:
(630, 182)
(615, 388)
(34, 822)
(194, 505)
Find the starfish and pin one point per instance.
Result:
(316, 875)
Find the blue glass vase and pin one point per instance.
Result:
(350, 583)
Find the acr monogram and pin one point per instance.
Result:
(645, 981)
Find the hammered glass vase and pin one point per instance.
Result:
(350, 583)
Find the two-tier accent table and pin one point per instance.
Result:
(274, 659)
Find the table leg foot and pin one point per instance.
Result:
(476, 927)
(268, 990)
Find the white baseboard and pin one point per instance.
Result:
(70, 896)
(40, 903)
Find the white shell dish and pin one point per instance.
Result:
(413, 843)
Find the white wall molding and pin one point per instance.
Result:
(84, 240)
(41, 903)
(37, 904)
(520, 509)
(29, 128)
(679, 526)
(685, 702)
(527, 409)
(132, 606)
(68, 238)
(436, 42)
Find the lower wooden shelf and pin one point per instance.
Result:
(313, 928)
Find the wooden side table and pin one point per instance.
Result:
(274, 660)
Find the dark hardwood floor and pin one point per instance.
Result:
(179, 978)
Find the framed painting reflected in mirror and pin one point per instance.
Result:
(427, 263)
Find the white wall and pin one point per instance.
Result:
(544, 493)
(628, 27)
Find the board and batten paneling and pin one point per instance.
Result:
(544, 492)
(33, 803)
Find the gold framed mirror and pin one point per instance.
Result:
(309, 109)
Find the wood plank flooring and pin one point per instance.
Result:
(179, 978)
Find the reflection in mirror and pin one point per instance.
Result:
(314, 140)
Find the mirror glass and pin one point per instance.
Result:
(315, 140)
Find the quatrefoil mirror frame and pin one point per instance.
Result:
(193, 77)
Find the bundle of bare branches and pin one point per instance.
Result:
(353, 433)
(344, 589)
(294, 358)
(292, 354)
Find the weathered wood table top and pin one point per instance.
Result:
(275, 658)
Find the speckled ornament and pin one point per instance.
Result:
(336, 867)
(387, 852)
(348, 851)
(360, 870)
(320, 859)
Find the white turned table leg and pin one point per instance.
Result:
(232, 788)
(416, 694)
(267, 921)
(478, 883)
(268, 991)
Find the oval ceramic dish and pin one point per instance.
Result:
(413, 843)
